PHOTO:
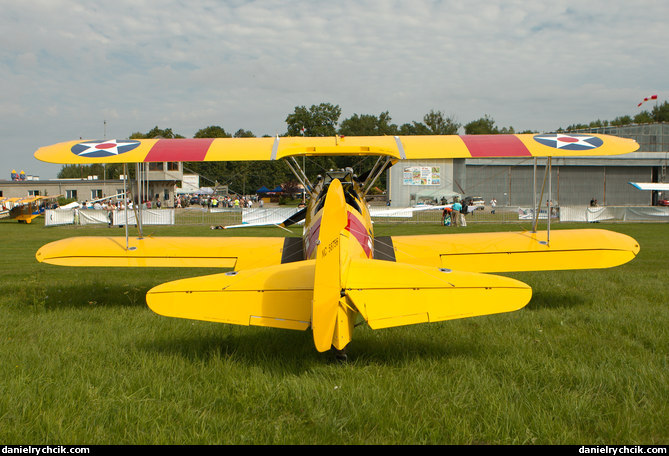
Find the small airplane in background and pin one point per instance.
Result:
(659, 189)
(339, 272)
(26, 209)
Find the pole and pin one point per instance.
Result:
(534, 193)
(125, 201)
(550, 202)
(138, 211)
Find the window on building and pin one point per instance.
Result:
(33, 192)
(173, 166)
(96, 193)
(156, 166)
(71, 194)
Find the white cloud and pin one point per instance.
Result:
(69, 65)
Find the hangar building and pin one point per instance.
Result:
(575, 181)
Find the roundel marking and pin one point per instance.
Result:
(105, 148)
(569, 142)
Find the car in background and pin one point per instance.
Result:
(663, 202)
(476, 201)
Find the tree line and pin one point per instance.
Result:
(323, 120)
(659, 113)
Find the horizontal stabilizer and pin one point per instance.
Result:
(276, 296)
(395, 294)
(193, 252)
(516, 251)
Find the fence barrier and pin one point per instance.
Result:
(225, 216)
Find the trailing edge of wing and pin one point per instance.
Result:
(397, 147)
(513, 251)
(394, 294)
(209, 252)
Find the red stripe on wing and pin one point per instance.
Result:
(179, 150)
(495, 146)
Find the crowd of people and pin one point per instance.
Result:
(454, 215)
(227, 201)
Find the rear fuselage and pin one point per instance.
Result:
(358, 220)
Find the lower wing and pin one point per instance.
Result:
(209, 252)
(511, 251)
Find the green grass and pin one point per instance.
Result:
(84, 361)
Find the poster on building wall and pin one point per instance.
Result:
(422, 175)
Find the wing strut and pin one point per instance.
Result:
(376, 172)
(299, 173)
(125, 202)
(138, 211)
(549, 205)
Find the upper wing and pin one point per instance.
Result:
(214, 252)
(397, 147)
(511, 251)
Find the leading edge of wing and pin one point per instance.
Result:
(396, 147)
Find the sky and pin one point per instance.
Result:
(103, 70)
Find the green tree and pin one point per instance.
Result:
(103, 171)
(485, 126)
(368, 125)
(643, 117)
(622, 120)
(318, 120)
(661, 112)
(156, 132)
(241, 133)
(437, 124)
(414, 128)
(212, 131)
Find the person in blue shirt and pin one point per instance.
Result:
(455, 219)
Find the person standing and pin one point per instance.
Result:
(456, 207)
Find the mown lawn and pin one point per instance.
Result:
(84, 361)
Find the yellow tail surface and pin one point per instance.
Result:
(276, 296)
(395, 294)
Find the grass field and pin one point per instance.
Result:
(84, 361)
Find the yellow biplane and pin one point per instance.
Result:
(24, 210)
(339, 271)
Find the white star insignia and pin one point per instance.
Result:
(566, 140)
(111, 147)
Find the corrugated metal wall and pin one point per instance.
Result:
(570, 185)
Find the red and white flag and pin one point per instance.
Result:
(652, 97)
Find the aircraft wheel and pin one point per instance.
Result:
(340, 355)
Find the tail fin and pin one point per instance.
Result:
(327, 276)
